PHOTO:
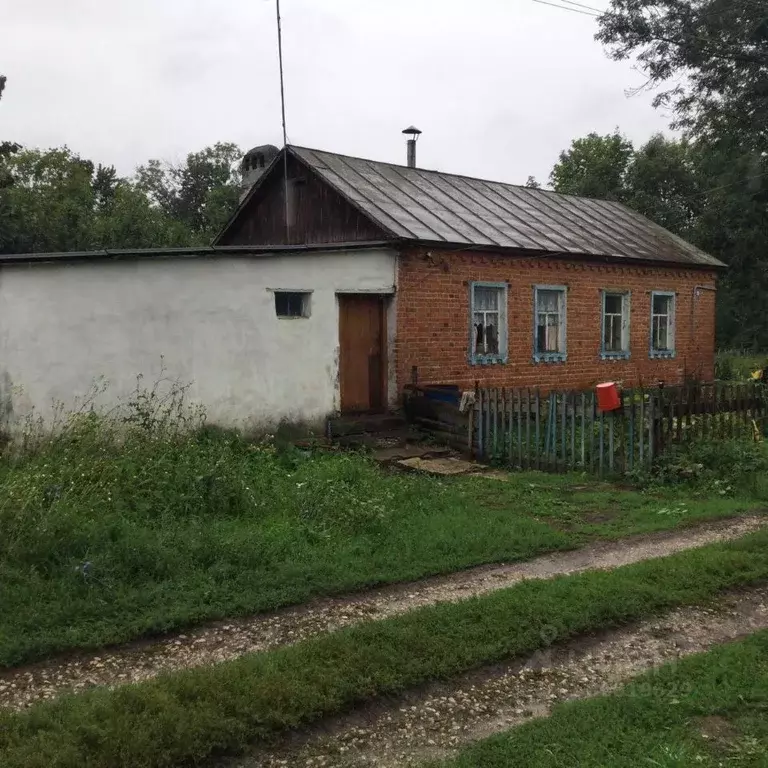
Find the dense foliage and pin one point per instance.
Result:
(712, 194)
(54, 200)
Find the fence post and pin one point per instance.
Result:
(563, 429)
(591, 431)
(480, 422)
(572, 397)
(631, 452)
(528, 427)
(519, 403)
(651, 425)
(601, 458)
(611, 441)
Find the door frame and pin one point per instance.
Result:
(384, 301)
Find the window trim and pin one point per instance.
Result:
(306, 303)
(502, 356)
(551, 357)
(663, 354)
(626, 315)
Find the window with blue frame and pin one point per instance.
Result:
(615, 325)
(549, 325)
(662, 324)
(488, 323)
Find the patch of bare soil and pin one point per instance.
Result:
(222, 641)
(436, 721)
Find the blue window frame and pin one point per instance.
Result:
(487, 323)
(614, 328)
(549, 323)
(662, 342)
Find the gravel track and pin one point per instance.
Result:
(221, 641)
(436, 721)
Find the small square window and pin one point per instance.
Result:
(549, 340)
(662, 324)
(615, 341)
(292, 303)
(488, 323)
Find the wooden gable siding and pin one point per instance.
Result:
(319, 213)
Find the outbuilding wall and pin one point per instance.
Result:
(207, 322)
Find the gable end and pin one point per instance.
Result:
(317, 213)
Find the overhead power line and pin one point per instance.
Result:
(566, 8)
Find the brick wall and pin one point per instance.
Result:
(433, 320)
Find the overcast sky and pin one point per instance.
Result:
(498, 87)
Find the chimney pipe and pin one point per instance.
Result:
(414, 134)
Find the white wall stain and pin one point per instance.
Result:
(211, 321)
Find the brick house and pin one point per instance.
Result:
(505, 285)
(339, 281)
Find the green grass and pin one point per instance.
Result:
(708, 710)
(189, 716)
(106, 539)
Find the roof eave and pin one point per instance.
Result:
(181, 253)
(565, 255)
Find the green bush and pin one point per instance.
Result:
(722, 467)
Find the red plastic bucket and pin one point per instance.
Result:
(608, 396)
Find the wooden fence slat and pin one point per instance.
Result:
(479, 405)
(506, 427)
(564, 429)
(601, 457)
(583, 430)
(631, 454)
(518, 411)
(572, 397)
(641, 428)
(611, 445)
(591, 430)
(528, 428)
(652, 425)
(537, 424)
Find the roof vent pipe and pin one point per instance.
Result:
(414, 134)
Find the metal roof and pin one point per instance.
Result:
(435, 207)
(118, 254)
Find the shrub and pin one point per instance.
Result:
(721, 467)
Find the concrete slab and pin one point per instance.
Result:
(386, 455)
(448, 465)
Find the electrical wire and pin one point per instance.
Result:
(566, 8)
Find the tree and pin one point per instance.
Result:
(594, 166)
(531, 183)
(661, 183)
(713, 53)
(3, 81)
(711, 193)
(731, 223)
(202, 193)
(48, 201)
(55, 200)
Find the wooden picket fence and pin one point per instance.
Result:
(563, 431)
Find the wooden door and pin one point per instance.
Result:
(362, 355)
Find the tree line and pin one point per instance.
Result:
(708, 62)
(706, 59)
(56, 200)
